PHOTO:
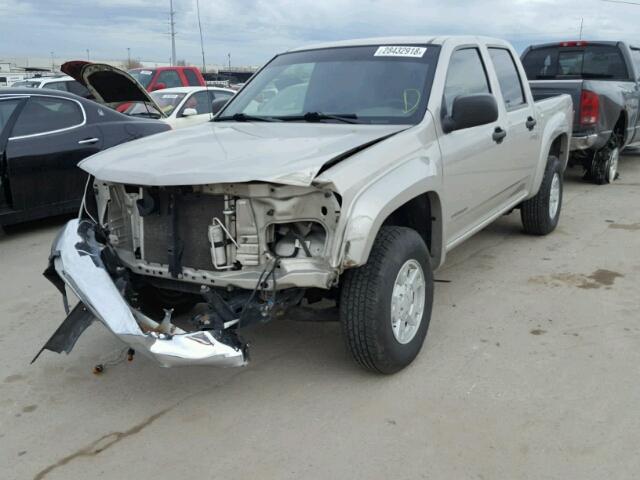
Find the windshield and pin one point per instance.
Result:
(592, 61)
(167, 102)
(371, 84)
(26, 84)
(142, 76)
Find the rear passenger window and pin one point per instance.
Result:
(170, 78)
(466, 76)
(56, 86)
(508, 78)
(192, 78)
(46, 114)
(78, 89)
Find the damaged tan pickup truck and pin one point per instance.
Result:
(342, 171)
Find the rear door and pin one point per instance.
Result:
(523, 137)
(48, 140)
(471, 158)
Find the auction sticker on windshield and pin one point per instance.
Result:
(398, 51)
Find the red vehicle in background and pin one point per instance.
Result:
(167, 77)
(159, 78)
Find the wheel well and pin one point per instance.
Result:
(559, 146)
(422, 214)
(621, 126)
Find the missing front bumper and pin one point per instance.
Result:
(77, 260)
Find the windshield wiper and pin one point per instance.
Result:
(318, 116)
(243, 117)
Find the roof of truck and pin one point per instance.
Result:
(399, 40)
(574, 43)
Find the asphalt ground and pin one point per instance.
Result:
(530, 371)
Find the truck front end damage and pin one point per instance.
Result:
(175, 272)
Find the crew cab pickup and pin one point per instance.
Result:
(343, 171)
(153, 79)
(603, 81)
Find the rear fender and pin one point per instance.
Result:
(557, 127)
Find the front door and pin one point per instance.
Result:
(471, 157)
(49, 139)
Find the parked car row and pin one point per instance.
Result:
(64, 84)
(44, 134)
(46, 130)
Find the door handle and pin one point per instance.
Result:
(88, 141)
(499, 134)
(531, 122)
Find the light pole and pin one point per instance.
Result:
(128, 57)
(229, 57)
(53, 67)
(88, 57)
(172, 25)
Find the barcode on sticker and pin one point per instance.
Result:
(398, 51)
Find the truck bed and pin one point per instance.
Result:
(543, 89)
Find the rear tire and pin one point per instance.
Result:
(385, 305)
(541, 213)
(603, 167)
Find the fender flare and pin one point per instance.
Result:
(556, 127)
(373, 205)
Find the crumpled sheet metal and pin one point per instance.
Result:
(77, 261)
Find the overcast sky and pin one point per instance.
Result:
(253, 30)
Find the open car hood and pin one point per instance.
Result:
(109, 85)
(233, 152)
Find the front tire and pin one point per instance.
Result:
(541, 213)
(385, 305)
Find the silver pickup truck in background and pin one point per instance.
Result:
(343, 171)
(603, 79)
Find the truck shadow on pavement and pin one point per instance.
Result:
(43, 225)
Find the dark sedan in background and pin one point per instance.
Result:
(44, 134)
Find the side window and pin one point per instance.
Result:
(56, 86)
(466, 75)
(508, 78)
(6, 110)
(46, 114)
(192, 78)
(170, 78)
(218, 95)
(199, 101)
(78, 89)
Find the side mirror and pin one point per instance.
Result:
(217, 105)
(159, 86)
(189, 112)
(471, 111)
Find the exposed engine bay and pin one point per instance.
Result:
(192, 263)
(221, 235)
